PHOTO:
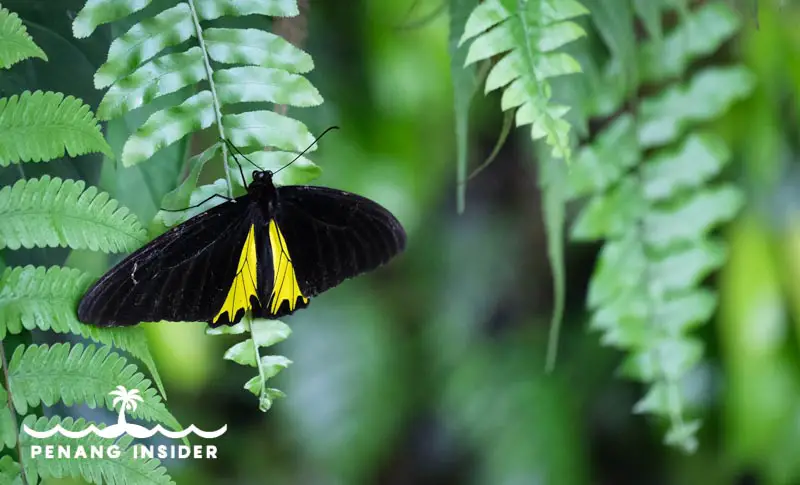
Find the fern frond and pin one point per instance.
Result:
(525, 34)
(123, 470)
(237, 65)
(46, 299)
(657, 213)
(264, 334)
(41, 126)
(10, 471)
(76, 374)
(702, 33)
(8, 435)
(15, 42)
(51, 212)
(657, 216)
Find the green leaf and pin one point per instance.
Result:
(123, 470)
(254, 84)
(75, 374)
(10, 471)
(465, 83)
(650, 13)
(267, 128)
(46, 299)
(143, 41)
(254, 385)
(614, 21)
(179, 198)
(670, 359)
(693, 218)
(159, 77)
(634, 320)
(709, 94)
(256, 48)
(485, 16)
(213, 9)
(50, 212)
(686, 268)
(619, 269)
(699, 35)
(695, 162)
(243, 353)
(8, 435)
(99, 12)
(15, 42)
(168, 126)
(603, 163)
(269, 332)
(273, 364)
(41, 126)
(610, 214)
(200, 194)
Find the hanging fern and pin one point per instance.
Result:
(525, 34)
(50, 212)
(182, 51)
(123, 470)
(654, 200)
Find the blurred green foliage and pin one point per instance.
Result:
(431, 370)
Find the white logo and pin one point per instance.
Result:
(128, 401)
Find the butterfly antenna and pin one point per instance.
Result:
(237, 151)
(307, 148)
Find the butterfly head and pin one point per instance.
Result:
(262, 176)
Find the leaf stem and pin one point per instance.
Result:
(262, 396)
(215, 99)
(4, 363)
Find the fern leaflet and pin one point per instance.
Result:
(15, 42)
(51, 212)
(39, 126)
(77, 374)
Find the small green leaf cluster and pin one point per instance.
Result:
(51, 212)
(264, 333)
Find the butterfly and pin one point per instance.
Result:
(267, 252)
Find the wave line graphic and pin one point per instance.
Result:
(117, 430)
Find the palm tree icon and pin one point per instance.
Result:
(129, 400)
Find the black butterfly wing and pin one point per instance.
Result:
(333, 235)
(183, 275)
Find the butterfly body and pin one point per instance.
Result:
(267, 252)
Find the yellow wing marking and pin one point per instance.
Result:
(285, 287)
(244, 283)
